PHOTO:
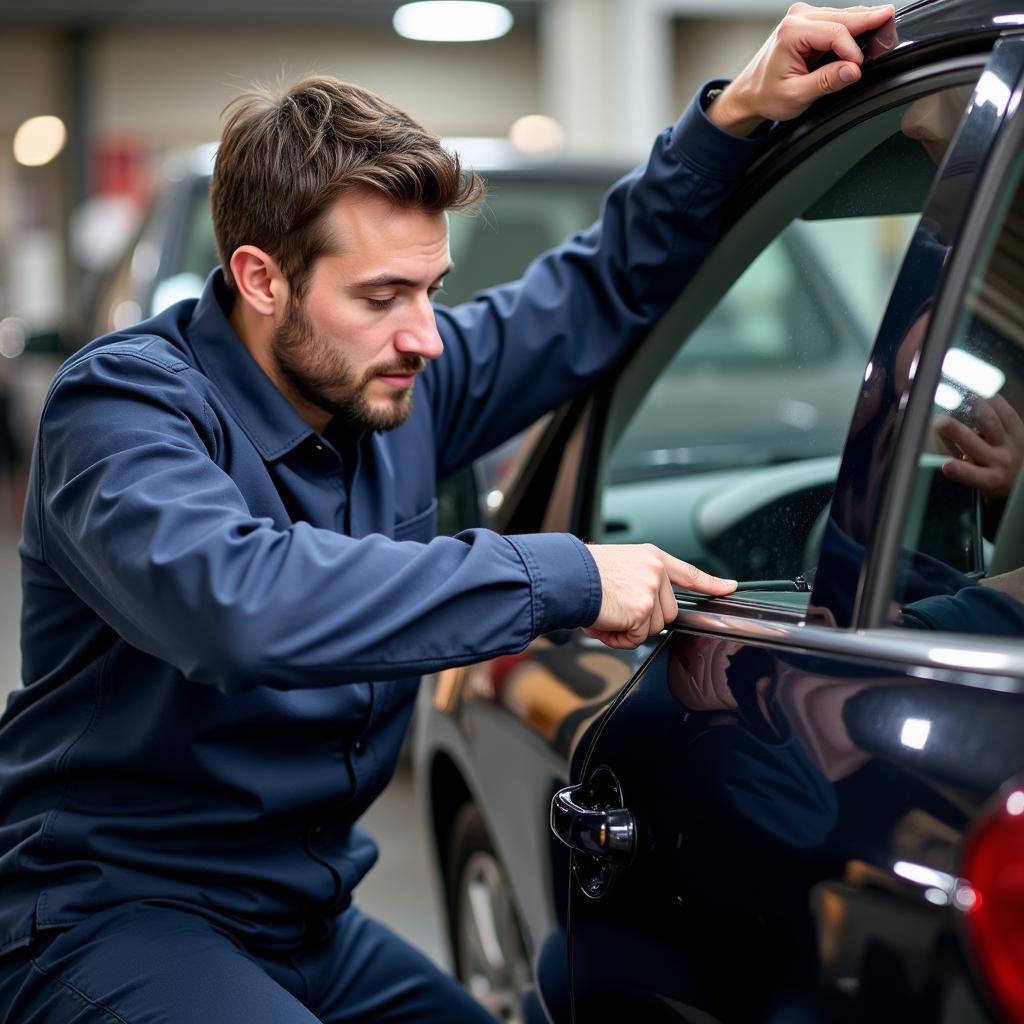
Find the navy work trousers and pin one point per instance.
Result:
(154, 964)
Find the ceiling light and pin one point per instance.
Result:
(39, 140)
(536, 133)
(452, 21)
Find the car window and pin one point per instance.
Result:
(962, 562)
(729, 457)
(519, 220)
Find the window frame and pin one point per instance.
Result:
(882, 560)
(703, 293)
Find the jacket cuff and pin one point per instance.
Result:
(564, 582)
(712, 151)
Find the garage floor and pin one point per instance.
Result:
(398, 890)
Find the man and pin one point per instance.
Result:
(230, 581)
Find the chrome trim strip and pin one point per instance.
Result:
(993, 662)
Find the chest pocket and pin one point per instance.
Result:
(421, 527)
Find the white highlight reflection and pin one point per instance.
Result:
(994, 90)
(958, 658)
(923, 875)
(973, 373)
(915, 733)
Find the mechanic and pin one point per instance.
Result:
(230, 579)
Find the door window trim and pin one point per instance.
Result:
(999, 156)
(966, 660)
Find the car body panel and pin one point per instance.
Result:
(833, 791)
(761, 713)
(784, 834)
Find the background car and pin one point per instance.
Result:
(804, 801)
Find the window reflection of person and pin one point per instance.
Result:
(985, 436)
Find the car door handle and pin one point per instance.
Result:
(606, 833)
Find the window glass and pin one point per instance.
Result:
(962, 565)
(730, 457)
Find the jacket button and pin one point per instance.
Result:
(359, 746)
(317, 830)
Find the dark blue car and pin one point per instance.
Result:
(803, 802)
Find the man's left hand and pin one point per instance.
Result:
(779, 83)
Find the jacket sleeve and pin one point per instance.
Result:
(519, 350)
(143, 525)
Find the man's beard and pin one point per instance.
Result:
(324, 377)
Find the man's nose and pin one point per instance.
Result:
(418, 334)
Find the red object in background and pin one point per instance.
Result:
(121, 167)
(993, 863)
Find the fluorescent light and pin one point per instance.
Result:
(915, 733)
(38, 140)
(948, 397)
(973, 373)
(452, 21)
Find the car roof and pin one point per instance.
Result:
(928, 22)
(491, 157)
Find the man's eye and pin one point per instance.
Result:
(380, 303)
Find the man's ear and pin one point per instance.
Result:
(259, 281)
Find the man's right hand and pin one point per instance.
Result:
(637, 599)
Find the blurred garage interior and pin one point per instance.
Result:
(99, 94)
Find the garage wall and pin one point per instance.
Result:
(31, 262)
(180, 81)
(708, 48)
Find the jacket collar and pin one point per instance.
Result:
(267, 417)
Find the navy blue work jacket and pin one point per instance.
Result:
(225, 616)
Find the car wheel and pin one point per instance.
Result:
(487, 941)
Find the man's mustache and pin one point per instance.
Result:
(409, 364)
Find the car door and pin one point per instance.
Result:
(770, 821)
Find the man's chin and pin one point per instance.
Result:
(387, 414)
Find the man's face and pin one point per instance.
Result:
(353, 345)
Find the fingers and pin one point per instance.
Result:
(858, 19)
(942, 431)
(988, 422)
(689, 577)
(952, 431)
(777, 84)
(830, 78)
(637, 600)
(981, 478)
(669, 608)
(1008, 416)
(808, 35)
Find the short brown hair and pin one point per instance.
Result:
(284, 160)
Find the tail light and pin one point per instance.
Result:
(993, 901)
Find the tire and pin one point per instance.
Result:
(488, 949)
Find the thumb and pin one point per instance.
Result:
(828, 79)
